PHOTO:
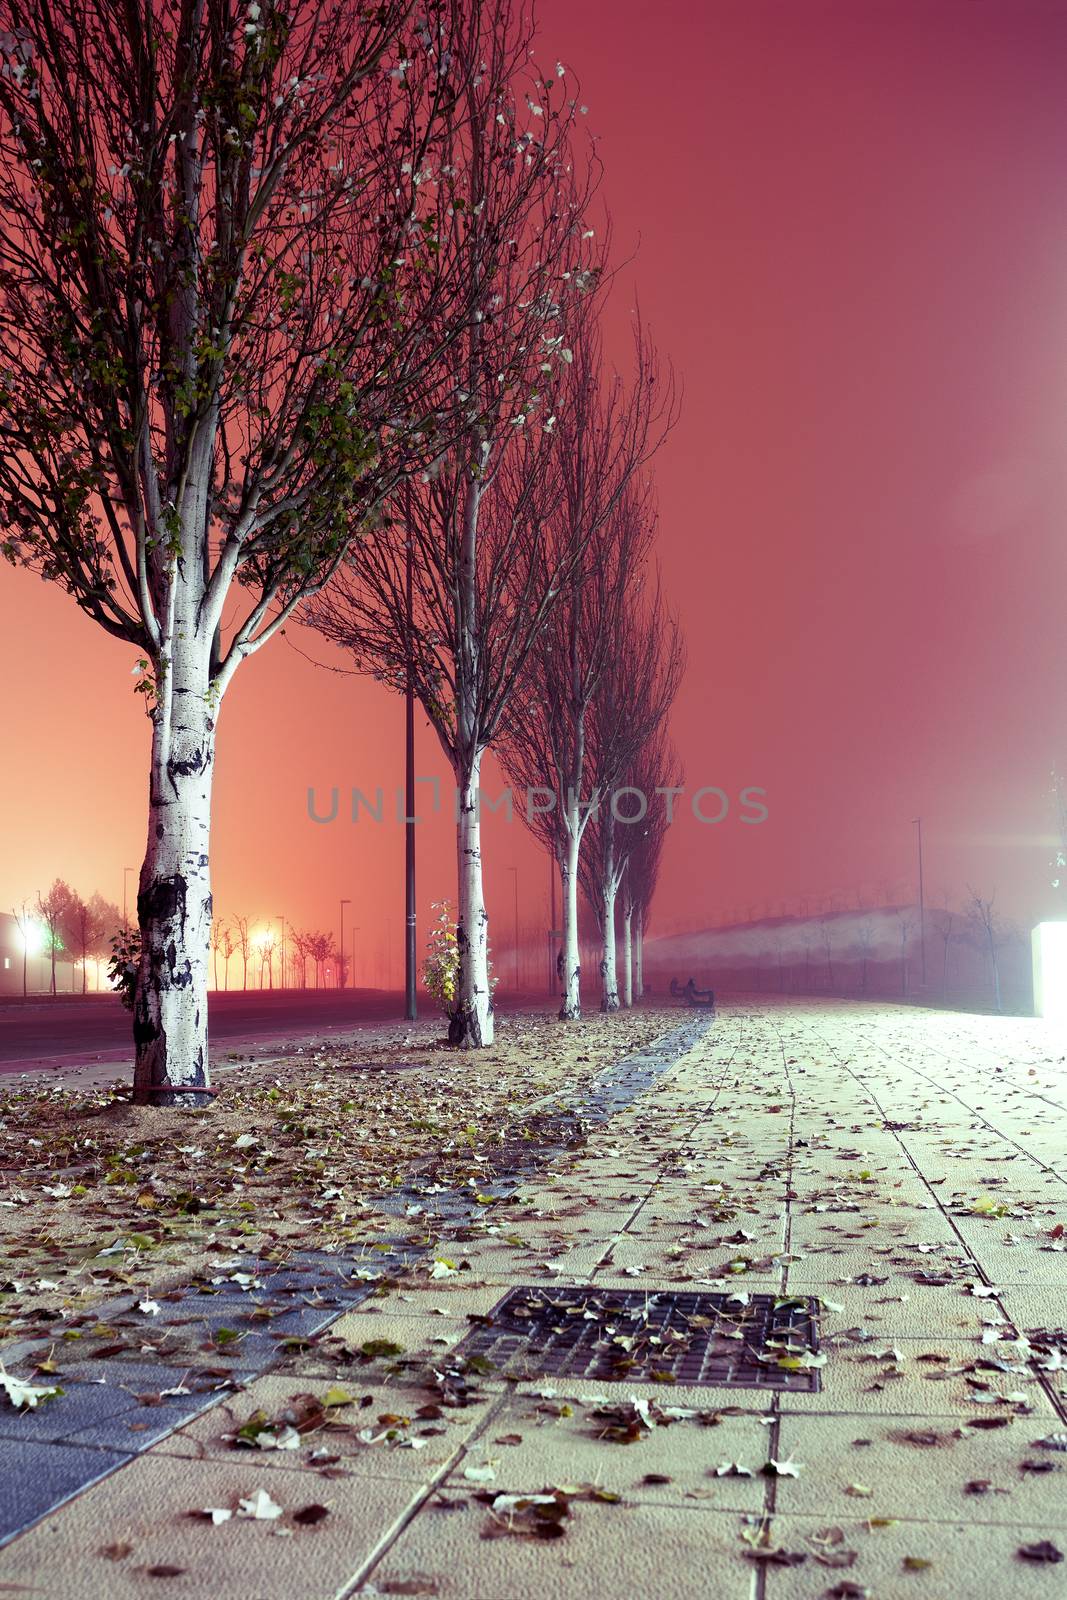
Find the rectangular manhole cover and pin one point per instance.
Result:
(636, 1336)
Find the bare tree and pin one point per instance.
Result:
(906, 931)
(657, 775)
(629, 708)
(26, 925)
(228, 946)
(485, 574)
(779, 946)
(243, 942)
(986, 932)
(301, 944)
(865, 932)
(223, 278)
(82, 931)
(945, 923)
(265, 943)
(826, 934)
(808, 938)
(53, 909)
(643, 864)
(218, 932)
(106, 922)
(608, 434)
(321, 948)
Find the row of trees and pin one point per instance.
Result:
(267, 953)
(67, 927)
(298, 315)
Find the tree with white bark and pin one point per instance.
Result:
(459, 609)
(659, 769)
(609, 433)
(222, 281)
(628, 715)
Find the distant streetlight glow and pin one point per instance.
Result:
(31, 937)
(1049, 945)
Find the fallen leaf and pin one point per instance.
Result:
(28, 1395)
(1045, 1551)
(307, 1516)
(260, 1507)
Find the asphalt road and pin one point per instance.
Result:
(65, 1031)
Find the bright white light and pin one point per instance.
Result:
(262, 938)
(1050, 971)
(31, 937)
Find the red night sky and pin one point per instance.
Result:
(849, 232)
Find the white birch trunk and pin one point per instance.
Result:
(627, 956)
(609, 982)
(571, 973)
(174, 891)
(639, 957)
(472, 1022)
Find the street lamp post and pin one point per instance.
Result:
(282, 921)
(918, 821)
(341, 948)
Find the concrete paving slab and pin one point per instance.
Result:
(607, 1550)
(116, 1539)
(56, 1472)
(921, 1470)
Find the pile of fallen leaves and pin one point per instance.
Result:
(99, 1196)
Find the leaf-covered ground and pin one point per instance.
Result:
(901, 1172)
(99, 1196)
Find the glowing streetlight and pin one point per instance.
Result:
(31, 937)
(1049, 944)
(264, 943)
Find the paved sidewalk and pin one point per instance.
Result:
(903, 1169)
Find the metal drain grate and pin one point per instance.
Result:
(634, 1336)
